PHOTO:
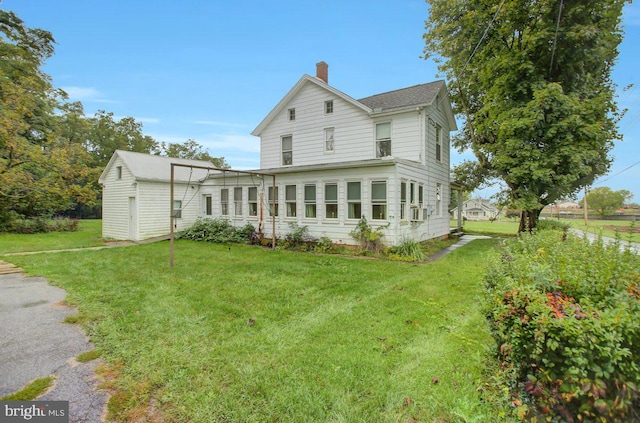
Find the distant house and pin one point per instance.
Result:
(567, 205)
(478, 209)
(335, 159)
(136, 195)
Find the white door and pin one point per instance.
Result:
(133, 219)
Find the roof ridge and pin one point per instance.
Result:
(400, 89)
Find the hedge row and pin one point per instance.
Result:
(566, 317)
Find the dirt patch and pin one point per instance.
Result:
(623, 229)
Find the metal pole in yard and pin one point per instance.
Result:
(171, 219)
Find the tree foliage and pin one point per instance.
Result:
(606, 201)
(51, 154)
(538, 104)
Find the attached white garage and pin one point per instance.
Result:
(136, 195)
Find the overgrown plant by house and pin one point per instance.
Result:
(368, 237)
(217, 230)
(564, 314)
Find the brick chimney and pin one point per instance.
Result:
(322, 71)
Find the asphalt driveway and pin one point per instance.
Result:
(35, 342)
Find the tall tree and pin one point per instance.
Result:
(605, 201)
(35, 169)
(190, 149)
(532, 79)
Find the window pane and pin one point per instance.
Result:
(420, 194)
(353, 191)
(379, 191)
(207, 205)
(224, 195)
(310, 193)
(271, 193)
(383, 131)
(383, 148)
(253, 194)
(310, 210)
(287, 158)
(253, 209)
(287, 143)
(331, 192)
(403, 191)
(291, 209)
(379, 211)
(290, 192)
(237, 194)
(355, 210)
(332, 211)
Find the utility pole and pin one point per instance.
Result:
(586, 208)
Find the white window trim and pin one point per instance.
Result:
(325, 107)
(375, 137)
(282, 150)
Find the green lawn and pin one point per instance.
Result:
(498, 227)
(88, 235)
(255, 335)
(608, 228)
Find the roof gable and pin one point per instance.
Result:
(147, 167)
(306, 79)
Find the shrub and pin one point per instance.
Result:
(407, 250)
(369, 239)
(551, 224)
(39, 225)
(216, 230)
(564, 315)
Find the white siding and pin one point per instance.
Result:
(354, 137)
(115, 202)
(154, 207)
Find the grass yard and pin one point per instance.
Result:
(499, 227)
(608, 228)
(254, 335)
(88, 235)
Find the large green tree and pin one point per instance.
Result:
(36, 171)
(532, 80)
(605, 201)
(190, 149)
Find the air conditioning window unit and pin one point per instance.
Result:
(416, 215)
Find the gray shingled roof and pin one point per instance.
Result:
(158, 168)
(417, 95)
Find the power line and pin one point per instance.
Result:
(616, 174)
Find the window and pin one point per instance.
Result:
(329, 144)
(353, 200)
(287, 150)
(177, 209)
(331, 201)
(438, 102)
(438, 143)
(273, 208)
(292, 114)
(207, 205)
(237, 201)
(438, 199)
(383, 140)
(253, 201)
(420, 195)
(328, 107)
(290, 200)
(119, 172)
(403, 200)
(379, 200)
(310, 201)
(224, 202)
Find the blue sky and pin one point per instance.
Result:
(212, 70)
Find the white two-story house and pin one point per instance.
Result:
(335, 159)
(326, 160)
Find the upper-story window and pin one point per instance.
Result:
(287, 150)
(328, 107)
(438, 143)
(438, 102)
(292, 114)
(383, 139)
(329, 141)
(119, 172)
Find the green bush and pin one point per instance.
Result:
(545, 224)
(217, 230)
(407, 250)
(368, 237)
(564, 313)
(36, 225)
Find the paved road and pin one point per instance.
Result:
(35, 342)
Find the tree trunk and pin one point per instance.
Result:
(528, 220)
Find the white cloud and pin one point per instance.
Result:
(86, 94)
(138, 119)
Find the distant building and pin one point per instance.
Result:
(478, 209)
